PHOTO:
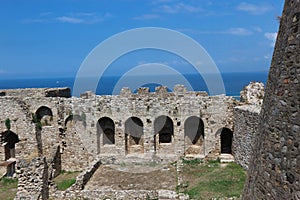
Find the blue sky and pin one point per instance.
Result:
(40, 38)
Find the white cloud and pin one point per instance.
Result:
(179, 8)
(272, 37)
(81, 18)
(230, 31)
(238, 31)
(147, 17)
(254, 9)
(71, 20)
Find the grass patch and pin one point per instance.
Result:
(8, 188)
(191, 162)
(214, 180)
(65, 180)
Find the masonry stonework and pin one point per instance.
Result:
(73, 124)
(246, 119)
(71, 133)
(274, 172)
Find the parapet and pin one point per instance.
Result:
(37, 92)
(87, 95)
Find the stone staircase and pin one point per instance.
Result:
(226, 158)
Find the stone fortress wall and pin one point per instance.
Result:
(58, 132)
(246, 120)
(94, 125)
(274, 172)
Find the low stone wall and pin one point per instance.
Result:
(119, 194)
(246, 120)
(85, 176)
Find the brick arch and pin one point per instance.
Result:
(164, 128)
(134, 135)
(194, 135)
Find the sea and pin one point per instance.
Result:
(233, 82)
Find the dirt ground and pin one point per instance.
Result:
(134, 177)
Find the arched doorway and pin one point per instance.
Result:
(44, 115)
(9, 139)
(134, 132)
(194, 135)
(226, 140)
(106, 129)
(163, 126)
(163, 134)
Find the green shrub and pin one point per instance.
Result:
(7, 124)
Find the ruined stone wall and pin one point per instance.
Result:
(33, 179)
(72, 124)
(246, 120)
(274, 170)
(17, 112)
(37, 92)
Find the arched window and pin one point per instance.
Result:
(73, 118)
(163, 126)
(194, 130)
(134, 130)
(8, 139)
(106, 127)
(226, 140)
(43, 111)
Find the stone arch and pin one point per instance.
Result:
(226, 140)
(44, 115)
(9, 139)
(194, 135)
(73, 118)
(74, 154)
(106, 129)
(134, 135)
(164, 128)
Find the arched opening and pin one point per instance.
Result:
(44, 115)
(134, 135)
(194, 135)
(226, 140)
(163, 126)
(9, 140)
(73, 119)
(74, 130)
(106, 128)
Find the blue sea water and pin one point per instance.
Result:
(234, 82)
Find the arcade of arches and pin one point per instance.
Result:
(194, 135)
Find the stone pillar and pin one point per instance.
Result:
(274, 171)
